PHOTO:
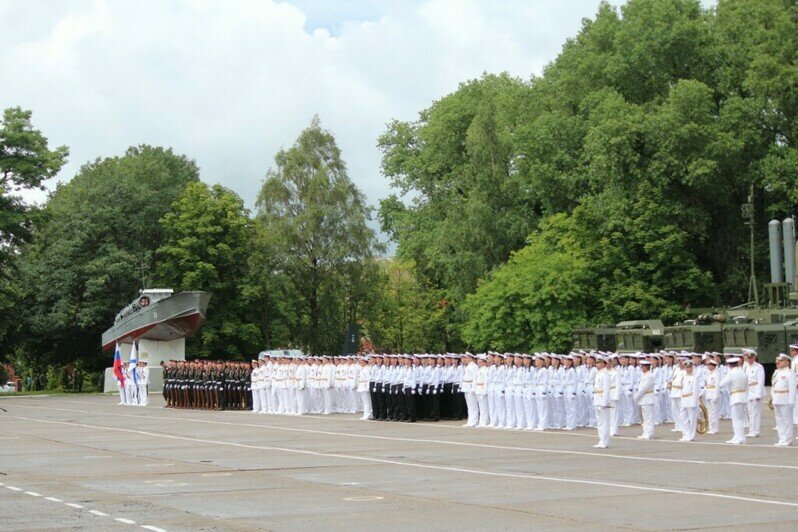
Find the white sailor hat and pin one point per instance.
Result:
(783, 356)
(793, 346)
(732, 360)
(749, 351)
(645, 363)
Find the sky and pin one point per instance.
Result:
(230, 83)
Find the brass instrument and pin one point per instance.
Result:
(770, 403)
(702, 423)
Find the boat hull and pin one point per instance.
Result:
(178, 316)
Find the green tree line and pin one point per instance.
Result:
(609, 187)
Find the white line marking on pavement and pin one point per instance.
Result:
(525, 476)
(217, 474)
(153, 528)
(126, 521)
(53, 499)
(366, 498)
(463, 444)
(97, 512)
(33, 494)
(14, 488)
(74, 505)
(338, 417)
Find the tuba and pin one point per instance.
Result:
(702, 423)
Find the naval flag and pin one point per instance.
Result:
(120, 375)
(134, 361)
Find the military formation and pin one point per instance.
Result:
(544, 391)
(511, 391)
(207, 385)
(382, 387)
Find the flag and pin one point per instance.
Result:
(133, 361)
(120, 375)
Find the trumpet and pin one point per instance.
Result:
(702, 423)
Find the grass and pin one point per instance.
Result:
(86, 390)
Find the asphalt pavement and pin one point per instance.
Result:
(83, 462)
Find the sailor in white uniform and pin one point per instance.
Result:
(712, 395)
(468, 389)
(782, 393)
(645, 397)
(737, 382)
(756, 392)
(691, 393)
(601, 402)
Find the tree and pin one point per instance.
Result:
(206, 245)
(98, 235)
(406, 317)
(648, 130)
(470, 207)
(25, 163)
(534, 300)
(316, 219)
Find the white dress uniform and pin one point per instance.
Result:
(497, 391)
(737, 381)
(556, 399)
(590, 379)
(301, 387)
(481, 392)
(570, 397)
(131, 380)
(723, 401)
(676, 398)
(144, 381)
(615, 397)
(691, 392)
(782, 393)
(646, 398)
(712, 396)
(509, 397)
(542, 397)
(530, 406)
(271, 388)
(519, 377)
(363, 379)
(602, 389)
(582, 406)
(625, 375)
(467, 387)
(756, 392)
(326, 381)
(255, 380)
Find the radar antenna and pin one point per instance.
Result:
(748, 216)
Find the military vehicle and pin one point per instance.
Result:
(601, 338)
(646, 336)
(697, 336)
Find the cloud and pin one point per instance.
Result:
(230, 83)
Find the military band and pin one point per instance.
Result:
(511, 391)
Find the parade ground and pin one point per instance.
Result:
(81, 461)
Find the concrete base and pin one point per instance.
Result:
(156, 380)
